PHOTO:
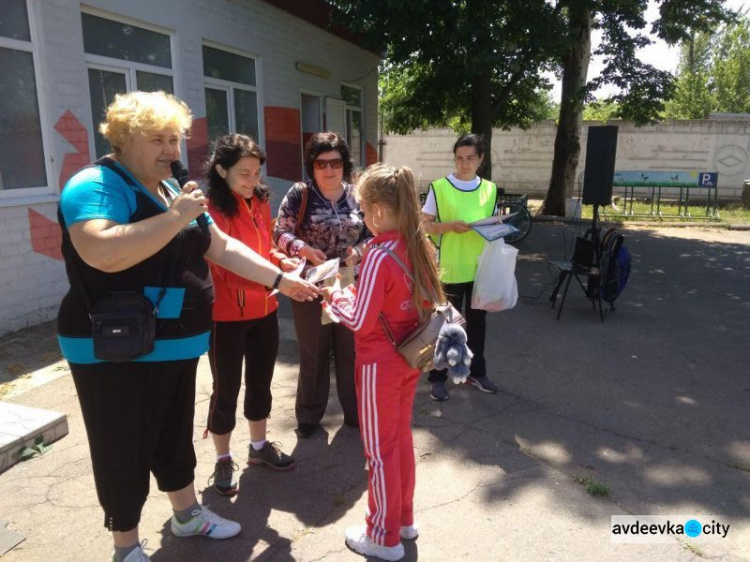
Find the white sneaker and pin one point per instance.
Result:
(358, 541)
(409, 532)
(135, 555)
(206, 523)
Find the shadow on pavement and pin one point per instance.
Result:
(652, 402)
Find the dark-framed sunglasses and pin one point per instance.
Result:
(335, 164)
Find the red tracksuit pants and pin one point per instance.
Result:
(385, 394)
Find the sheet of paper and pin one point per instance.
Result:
(494, 231)
(323, 271)
(487, 221)
(495, 219)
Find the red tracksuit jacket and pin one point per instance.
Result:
(236, 297)
(382, 287)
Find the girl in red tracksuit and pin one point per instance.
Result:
(385, 383)
(245, 328)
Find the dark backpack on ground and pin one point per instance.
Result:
(615, 266)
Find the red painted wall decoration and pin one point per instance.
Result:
(46, 235)
(371, 155)
(197, 148)
(71, 129)
(283, 142)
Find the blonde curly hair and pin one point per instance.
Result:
(143, 112)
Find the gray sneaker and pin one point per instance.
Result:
(135, 555)
(223, 477)
(270, 455)
(482, 383)
(438, 392)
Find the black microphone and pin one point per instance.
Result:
(180, 173)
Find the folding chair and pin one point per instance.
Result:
(583, 265)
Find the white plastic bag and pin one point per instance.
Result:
(495, 286)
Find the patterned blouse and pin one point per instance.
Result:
(327, 226)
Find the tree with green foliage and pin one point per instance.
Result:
(731, 68)
(482, 62)
(642, 88)
(472, 64)
(713, 73)
(692, 98)
(604, 110)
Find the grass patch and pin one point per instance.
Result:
(592, 486)
(730, 213)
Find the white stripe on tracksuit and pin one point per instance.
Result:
(371, 441)
(353, 319)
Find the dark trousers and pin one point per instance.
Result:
(314, 341)
(139, 419)
(459, 295)
(254, 343)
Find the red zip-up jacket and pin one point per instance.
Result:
(382, 287)
(236, 297)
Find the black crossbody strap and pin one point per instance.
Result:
(108, 163)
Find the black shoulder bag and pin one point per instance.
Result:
(123, 323)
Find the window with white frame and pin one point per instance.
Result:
(122, 57)
(22, 162)
(354, 123)
(231, 93)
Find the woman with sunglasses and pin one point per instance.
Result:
(320, 220)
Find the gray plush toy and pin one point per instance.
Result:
(452, 353)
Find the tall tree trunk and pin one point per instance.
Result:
(568, 138)
(481, 118)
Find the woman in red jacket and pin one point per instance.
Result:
(245, 325)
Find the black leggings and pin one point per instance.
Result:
(459, 295)
(256, 343)
(139, 419)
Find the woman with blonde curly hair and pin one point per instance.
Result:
(128, 229)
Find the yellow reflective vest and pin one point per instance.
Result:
(458, 253)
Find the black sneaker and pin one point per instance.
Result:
(223, 477)
(482, 383)
(305, 430)
(270, 455)
(438, 392)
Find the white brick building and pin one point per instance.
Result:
(270, 68)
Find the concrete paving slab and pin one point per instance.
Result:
(23, 426)
(8, 539)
